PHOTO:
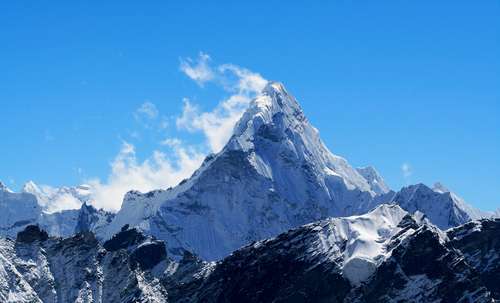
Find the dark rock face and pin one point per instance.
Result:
(86, 217)
(32, 233)
(274, 278)
(422, 269)
(89, 216)
(124, 239)
(79, 269)
(144, 252)
(273, 271)
(480, 244)
(424, 265)
(147, 255)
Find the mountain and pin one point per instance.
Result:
(31, 206)
(442, 207)
(17, 210)
(53, 199)
(479, 242)
(274, 174)
(4, 187)
(39, 268)
(386, 255)
(373, 178)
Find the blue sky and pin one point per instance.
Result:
(389, 84)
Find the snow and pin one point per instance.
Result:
(53, 199)
(363, 240)
(32, 206)
(442, 207)
(274, 174)
(374, 179)
(4, 188)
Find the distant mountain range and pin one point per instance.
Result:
(273, 217)
(386, 255)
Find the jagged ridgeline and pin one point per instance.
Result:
(386, 255)
(273, 217)
(274, 174)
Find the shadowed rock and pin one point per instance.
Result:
(124, 239)
(147, 255)
(31, 234)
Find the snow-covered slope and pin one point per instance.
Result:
(274, 174)
(386, 255)
(36, 268)
(442, 207)
(53, 199)
(18, 210)
(4, 187)
(374, 179)
(383, 256)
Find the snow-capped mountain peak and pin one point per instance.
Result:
(31, 187)
(4, 187)
(275, 173)
(376, 181)
(440, 188)
(54, 199)
(443, 208)
(275, 124)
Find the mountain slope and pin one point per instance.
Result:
(36, 268)
(410, 262)
(374, 179)
(274, 174)
(442, 207)
(479, 241)
(385, 255)
(53, 199)
(18, 210)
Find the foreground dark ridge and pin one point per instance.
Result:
(334, 260)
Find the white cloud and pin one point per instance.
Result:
(63, 202)
(53, 199)
(161, 170)
(407, 171)
(247, 82)
(158, 171)
(217, 125)
(199, 70)
(146, 113)
(172, 142)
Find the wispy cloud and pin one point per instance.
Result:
(217, 124)
(63, 202)
(198, 70)
(164, 169)
(407, 172)
(147, 115)
(147, 110)
(156, 172)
